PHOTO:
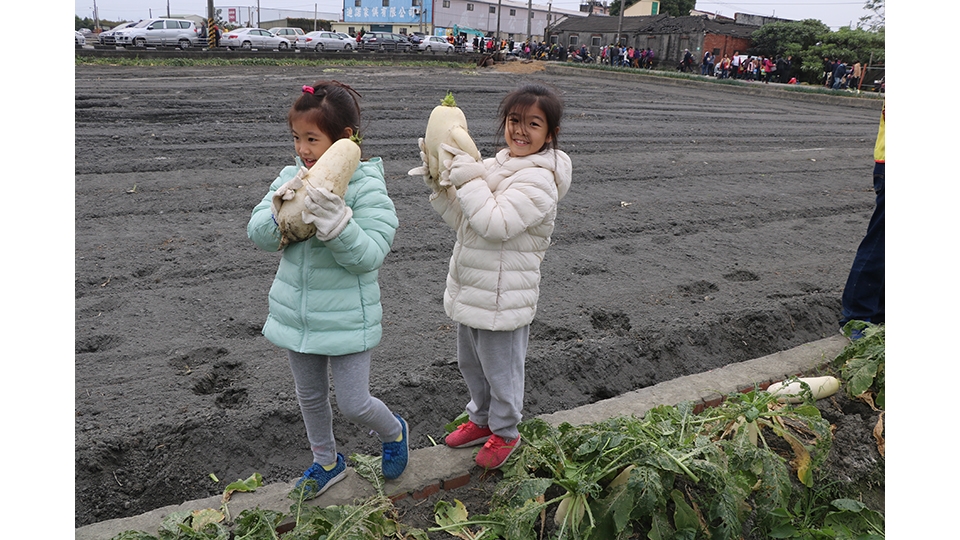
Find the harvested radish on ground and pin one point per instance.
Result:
(447, 124)
(332, 171)
(821, 387)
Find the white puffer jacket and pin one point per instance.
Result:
(503, 230)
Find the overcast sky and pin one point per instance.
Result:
(832, 13)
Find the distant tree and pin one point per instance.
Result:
(677, 8)
(782, 38)
(614, 8)
(809, 41)
(852, 45)
(85, 22)
(877, 19)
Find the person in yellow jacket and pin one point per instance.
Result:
(863, 294)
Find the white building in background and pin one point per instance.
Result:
(503, 19)
(439, 17)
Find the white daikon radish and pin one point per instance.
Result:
(579, 508)
(332, 171)
(447, 124)
(789, 392)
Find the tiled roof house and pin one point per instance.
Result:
(667, 36)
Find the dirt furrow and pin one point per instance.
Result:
(704, 226)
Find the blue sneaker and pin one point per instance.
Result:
(315, 480)
(855, 333)
(395, 454)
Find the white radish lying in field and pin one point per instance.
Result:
(447, 124)
(789, 391)
(332, 171)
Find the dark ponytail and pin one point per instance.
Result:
(331, 105)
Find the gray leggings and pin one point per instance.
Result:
(492, 363)
(351, 378)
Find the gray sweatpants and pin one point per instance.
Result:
(351, 379)
(492, 363)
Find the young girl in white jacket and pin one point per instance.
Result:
(503, 211)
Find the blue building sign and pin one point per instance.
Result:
(373, 11)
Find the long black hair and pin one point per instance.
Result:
(527, 95)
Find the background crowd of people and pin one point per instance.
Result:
(744, 67)
(836, 74)
(634, 57)
(839, 75)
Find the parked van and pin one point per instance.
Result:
(291, 34)
(159, 33)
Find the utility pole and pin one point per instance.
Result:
(96, 16)
(422, 15)
(546, 27)
(529, 19)
(499, 10)
(620, 22)
(258, 14)
(211, 31)
(168, 9)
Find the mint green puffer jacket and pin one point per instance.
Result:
(325, 298)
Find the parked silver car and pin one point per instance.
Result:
(385, 41)
(435, 44)
(102, 37)
(157, 32)
(252, 38)
(80, 38)
(322, 40)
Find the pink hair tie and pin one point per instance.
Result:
(307, 89)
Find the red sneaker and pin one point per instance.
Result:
(495, 453)
(468, 434)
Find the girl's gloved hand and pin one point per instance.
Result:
(461, 169)
(286, 192)
(424, 169)
(326, 211)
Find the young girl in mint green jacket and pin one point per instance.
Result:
(325, 299)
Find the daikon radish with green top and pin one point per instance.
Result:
(447, 124)
(332, 171)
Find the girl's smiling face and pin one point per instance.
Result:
(526, 133)
(309, 141)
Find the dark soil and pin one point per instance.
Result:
(705, 226)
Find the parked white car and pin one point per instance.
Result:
(322, 40)
(252, 38)
(102, 37)
(435, 44)
(157, 32)
(80, 38)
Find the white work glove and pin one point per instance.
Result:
(424, 169)
(326, 211)
(286, 192)
(461, 169)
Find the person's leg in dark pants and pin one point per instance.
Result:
(863, 295)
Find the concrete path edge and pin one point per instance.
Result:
(438, 468)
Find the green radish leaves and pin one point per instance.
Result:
(862, 362)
